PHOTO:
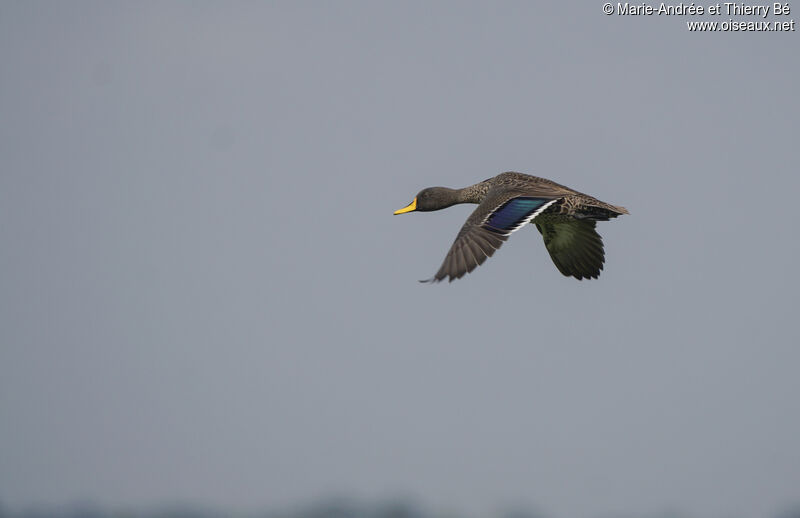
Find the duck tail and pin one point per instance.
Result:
(602, 212)
(620, 210)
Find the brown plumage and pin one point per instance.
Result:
(566, 219)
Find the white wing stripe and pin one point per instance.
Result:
(526, 220)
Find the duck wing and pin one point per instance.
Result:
(499, 215)
(574, 245)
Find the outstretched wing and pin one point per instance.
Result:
(574, 245)
(486, 230)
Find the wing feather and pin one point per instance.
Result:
(574, 246)
(487, 228)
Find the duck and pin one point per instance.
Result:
(564, 217)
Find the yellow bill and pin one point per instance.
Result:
(411, 207)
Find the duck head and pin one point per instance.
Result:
(430, 199)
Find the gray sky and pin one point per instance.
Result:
(204, 295)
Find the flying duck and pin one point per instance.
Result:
(565, 218)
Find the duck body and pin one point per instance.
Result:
(566, 219)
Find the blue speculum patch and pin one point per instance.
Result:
(513, 212)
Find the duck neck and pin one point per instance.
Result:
(473, 193)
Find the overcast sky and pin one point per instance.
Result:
(205, 297)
